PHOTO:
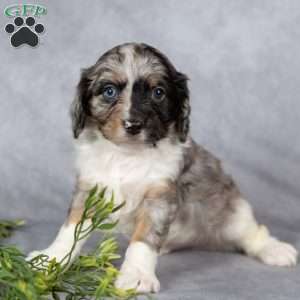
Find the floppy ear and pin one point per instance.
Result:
(79, 106)
(182, 124)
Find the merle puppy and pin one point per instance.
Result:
(131, 127)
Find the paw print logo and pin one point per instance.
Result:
(24, 33)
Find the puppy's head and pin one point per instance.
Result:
(133, 94)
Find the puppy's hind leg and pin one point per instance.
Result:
(64, 240)
(255, 240)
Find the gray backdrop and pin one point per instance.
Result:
(243, 61)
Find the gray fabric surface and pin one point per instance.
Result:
(243, 61)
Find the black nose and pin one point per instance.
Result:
(133, 126)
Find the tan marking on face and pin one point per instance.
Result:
(113, 127)
(154, 79)
(98, 108)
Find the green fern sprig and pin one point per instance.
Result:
(89, 276)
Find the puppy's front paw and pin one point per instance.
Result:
(131, 277)
(277, 253)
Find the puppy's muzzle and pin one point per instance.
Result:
(133, 126)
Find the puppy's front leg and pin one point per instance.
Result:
(152, 225)
(64, 240)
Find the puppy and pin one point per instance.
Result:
(130, 121)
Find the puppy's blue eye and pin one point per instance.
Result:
(159, 93)
(110, 92)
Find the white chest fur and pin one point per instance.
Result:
(126, 171)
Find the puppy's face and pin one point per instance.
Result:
(134, 95)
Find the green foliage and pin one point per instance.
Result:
(89, 276)
(6, 227)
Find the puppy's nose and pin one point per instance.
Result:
(133, 126)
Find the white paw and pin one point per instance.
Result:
(131, 277)
(51, 253)
(277, 253)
